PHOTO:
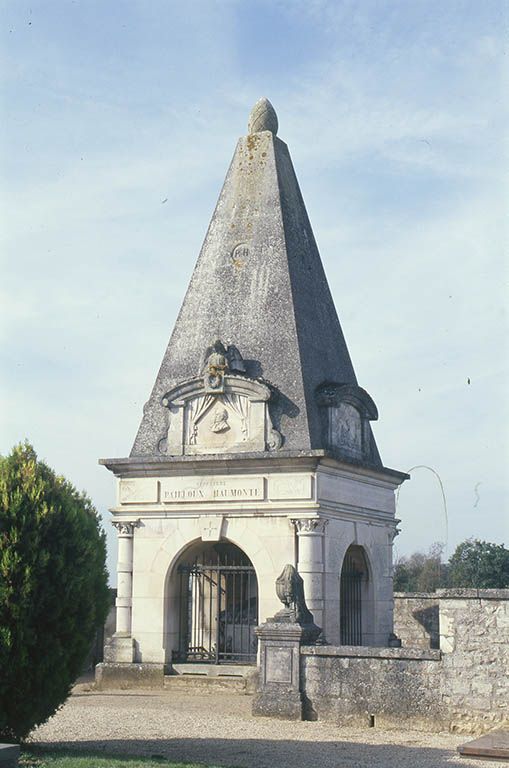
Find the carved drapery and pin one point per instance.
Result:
(197, 408)
(240, 405)
(235, 418)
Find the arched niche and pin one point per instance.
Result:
(212, 605)
(356, 614)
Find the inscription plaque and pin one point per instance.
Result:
(200, 489)
(142, 491)
(290, 487)
(278, 665)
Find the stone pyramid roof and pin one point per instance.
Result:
(260, 287)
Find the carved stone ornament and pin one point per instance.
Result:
(220, 421)
(290, 590)
(218, 360)
(263, 117)
(346, 412)
(311, 525)
(233, 418)
(214, 375)
(394, 532)
(125, 528)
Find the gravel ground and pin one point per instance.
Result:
(218, 729)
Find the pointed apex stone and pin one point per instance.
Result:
(262, 118)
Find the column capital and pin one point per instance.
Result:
(395, 531)
(310, 525)
(125, 528)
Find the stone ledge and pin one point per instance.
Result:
(364, 652)
(115, 675)
(9, 754)
(473, 594)
(416, 596)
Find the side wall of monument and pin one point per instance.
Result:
(463, 686)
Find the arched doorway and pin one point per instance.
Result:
(217, 605)
(355, 598)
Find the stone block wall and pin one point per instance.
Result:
(416, 619)
(462, 687)
(388, 688)
(474, 640)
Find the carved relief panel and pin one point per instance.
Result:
(346, 412)
(233, 418)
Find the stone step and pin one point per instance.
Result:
(189, 683)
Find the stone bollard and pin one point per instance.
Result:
(280, 638)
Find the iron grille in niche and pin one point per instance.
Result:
(351, 602)
(218, 607)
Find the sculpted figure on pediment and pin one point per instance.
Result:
(221, 411)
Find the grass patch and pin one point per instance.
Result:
(41, 758)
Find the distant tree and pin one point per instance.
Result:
(420, 572)
(479, 564)
(53, 589)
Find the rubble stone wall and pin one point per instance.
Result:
(474, 641)
(387, 688)
(463, 686)
(416, 619)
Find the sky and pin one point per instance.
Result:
(119, 123)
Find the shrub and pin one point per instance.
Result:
(53, 589)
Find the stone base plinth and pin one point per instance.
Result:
(9, 754)
(111, 675)
(277, 703)
(119, 649)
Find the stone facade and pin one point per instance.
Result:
(255, 447)
(305, 509)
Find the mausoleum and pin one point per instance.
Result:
(255, 448)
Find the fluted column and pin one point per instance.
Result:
(123, 602)
(310, 533)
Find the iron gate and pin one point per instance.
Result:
(351, 602)
(218, 612)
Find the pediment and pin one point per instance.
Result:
(231, 417)
(346, 411)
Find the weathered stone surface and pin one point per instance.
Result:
(474, 638)
(263, 117)
(279, 687)
(259, 284)
(394, 687)
(463, 687)
(416, 619)
(271, 703)
(9, 754)
(120, 648)
(123, 675)
(493, 745)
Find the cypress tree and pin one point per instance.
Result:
(53, 589)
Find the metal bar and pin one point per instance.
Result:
(248, 639)
(210, 600)
(218, 614)
(234, 610)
